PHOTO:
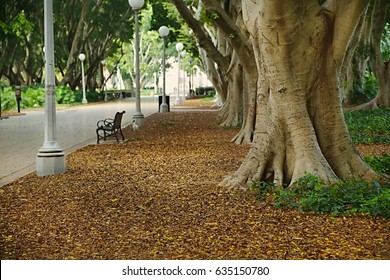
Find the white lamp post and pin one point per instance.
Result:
(191, 60)
(179, 48)
(50, 158)
(183, 55)
(164, 31)
(138, 117)
(82, 58)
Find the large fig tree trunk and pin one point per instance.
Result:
(299, 47)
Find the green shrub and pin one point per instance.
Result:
(8, 100)
(33, 97)
(208, 91)
(93, 96)
(64, 95)
(381, 165)
(385, 42)
(311, 194)
(378, 205)
(364, 92)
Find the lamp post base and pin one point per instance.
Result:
(50, 163)
(164, 107)
(139, 119)
(84, 101)
(178, 100)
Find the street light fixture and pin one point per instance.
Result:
(164, 31)
(138, 117)
(136, 5)
(50, 157)
(82, 58)
(179, 48)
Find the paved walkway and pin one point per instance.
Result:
(22, 136)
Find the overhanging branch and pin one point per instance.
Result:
(204, 41)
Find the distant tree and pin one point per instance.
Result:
(380, 58)
(220, 61)
(21, 41)
(150, 51)
(96, 28)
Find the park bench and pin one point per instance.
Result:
(110, 127)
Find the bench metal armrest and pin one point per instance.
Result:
(106, 122)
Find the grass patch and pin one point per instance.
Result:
(207, 99)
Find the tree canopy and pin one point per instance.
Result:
(98, 28)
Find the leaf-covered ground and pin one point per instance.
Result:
(156, 196)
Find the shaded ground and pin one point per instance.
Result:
(156, 196)
(7, 114)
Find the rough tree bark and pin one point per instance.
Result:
(299, 48)
(232, 107)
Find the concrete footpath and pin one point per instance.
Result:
(22, 136)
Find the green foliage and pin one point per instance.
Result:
(385, 43)
(165, 14)
(92, 96)
(208, 99)
(21, 40)
(21, 26)
(34, 96)
(207, 91)
(65, 95)
(381, 165)
(379, 205)
(369, 127)
(364, 91)
(214, 16)
(8, 100)
(347, 197)
(366, 87)
(206, 18)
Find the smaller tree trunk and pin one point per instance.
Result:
(380, 67)
(75, 48)
(235, 94)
